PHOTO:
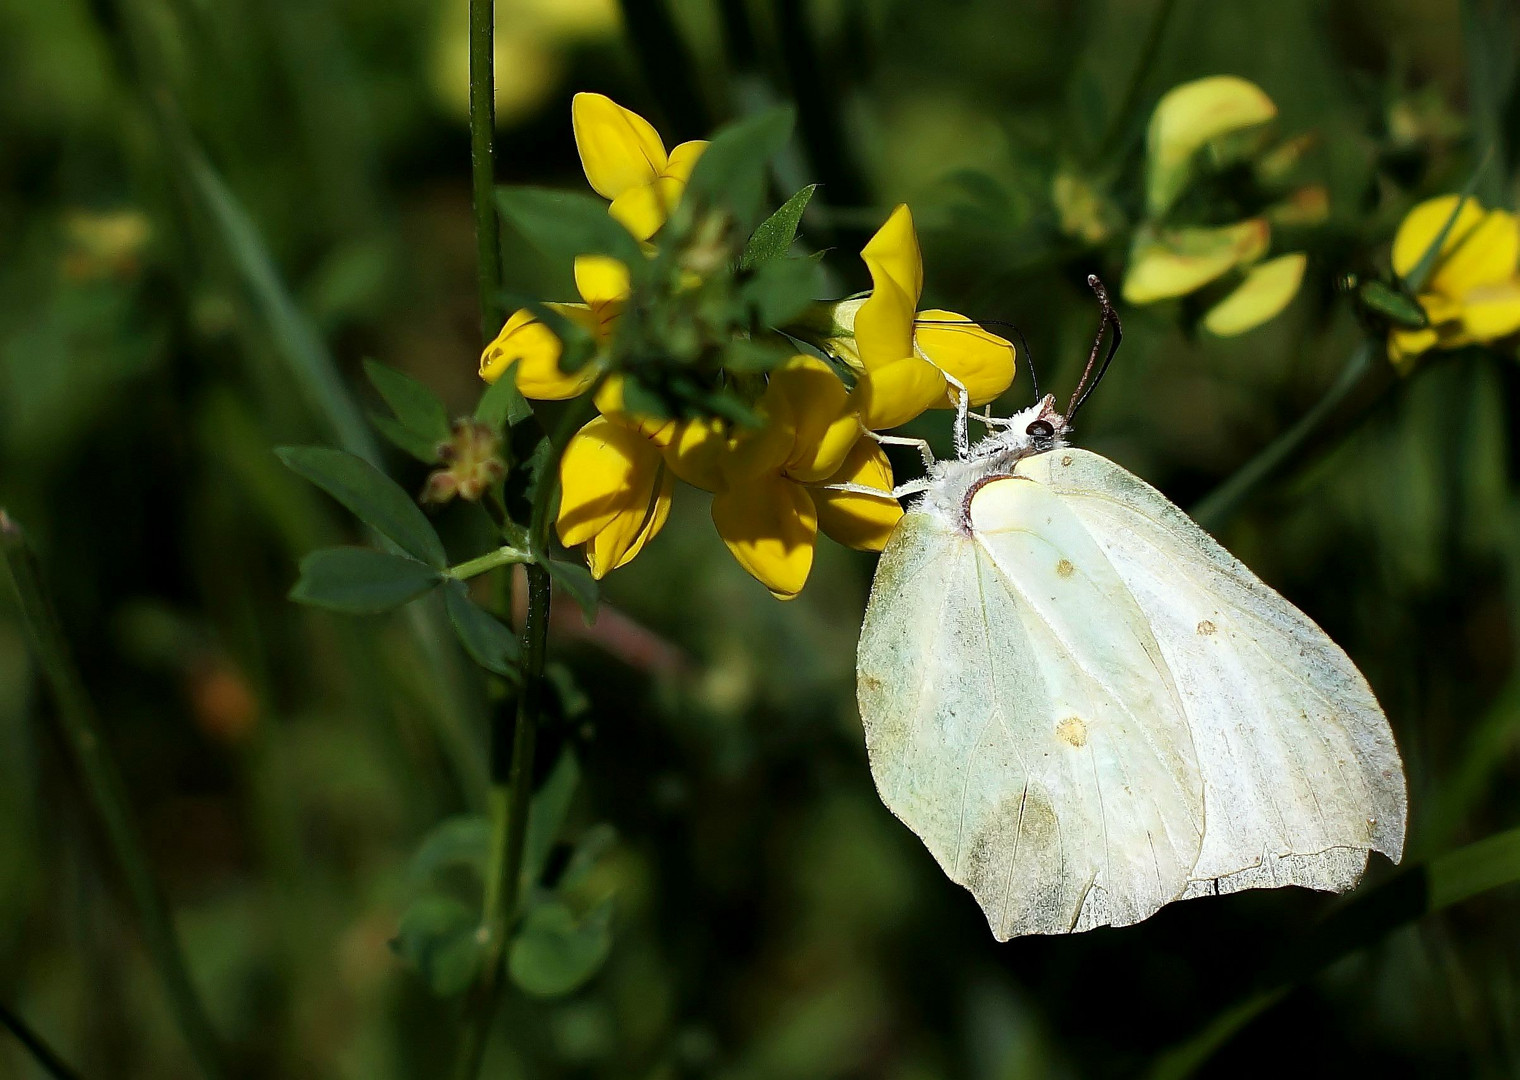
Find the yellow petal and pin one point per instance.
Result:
(1178, 261)
(1267, 289)
(1492, 311)
(1404, 346)
(822, 417)
(855, 520)
(640, 210)
(980, 360)
(609, 402)
(601, 280)
(1190, 115)
(682, 160)
(607, 471)
(770, 525)
(1421, 225)
(619, 149)
(536, 351)
(696, 454)
(895, 393)
(627, 534)
(1486, 256)
(884, 323)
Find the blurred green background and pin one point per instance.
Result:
(171, 291)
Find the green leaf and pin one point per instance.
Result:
(576, 580)
(439, 938)
(589, 849)
(372, 496)
(782, 289)
(415, 406)
(501, 406)
(1393, 304)
(774, 236)
(489, 643)
(554, 954)
(460, 841)
(731, 171)
(405, 439)
(361, 581)
(546, 817)
(564, 224)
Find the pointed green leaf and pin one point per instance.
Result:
(773, 237)
(439, 939)
(577, 581)
(731, 171)
(405, 439)
(502, 406)
(489, 643)
(361, 581)
(415, 406)
(554, 953)
(551, 805)
(564, 224)
(372, 496)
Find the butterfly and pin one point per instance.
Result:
(1087, 708)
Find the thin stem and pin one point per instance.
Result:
(41, 1052)
(1119, 124)
(77, 724)
(483, 164)
(1220, 504)
(506, 555)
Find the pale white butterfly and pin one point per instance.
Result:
(1087, 708)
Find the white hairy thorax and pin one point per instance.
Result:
(952, 481)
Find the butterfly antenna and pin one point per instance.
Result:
(1034, 379)
(1107, 318)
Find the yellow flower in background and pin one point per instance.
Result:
(1473, 292)
(1191, 116)
(904, 356)
(604, 285)
(625, 161)
(1267, 289)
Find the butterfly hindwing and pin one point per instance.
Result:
(1301, 773)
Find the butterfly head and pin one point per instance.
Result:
(1035, 430)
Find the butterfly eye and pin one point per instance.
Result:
(1040, 429)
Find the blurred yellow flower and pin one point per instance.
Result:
(1472, 294)
(1267, 289)
(625, 161)
(604, 285)
(1167, 263)
(909, 361)
(614, 493)
(1189, 116)
(105, 243)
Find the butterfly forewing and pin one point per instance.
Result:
(1020, 718)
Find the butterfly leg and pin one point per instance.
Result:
(992, 422)
(962, 410)
(921, 445)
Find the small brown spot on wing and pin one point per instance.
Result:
(1064, 568)
(1065, 459)
(1206, 628)
(1072, 731)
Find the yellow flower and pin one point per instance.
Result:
(604, 286)
(625, 161)
(1189, 116)
(1473, 291)
(906, 358)
(615, 493)
(771, 484)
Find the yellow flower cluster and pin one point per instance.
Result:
(1227, 116)
(776, 485)
(1472, 294)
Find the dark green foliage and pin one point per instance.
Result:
(361, 581)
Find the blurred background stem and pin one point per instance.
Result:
(41, 1052)
(80, 730)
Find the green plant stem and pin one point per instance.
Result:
(1221, 503)
(1120, 124)
(506, 555)
(41, 1052)
(483, 164)
(77, 724)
